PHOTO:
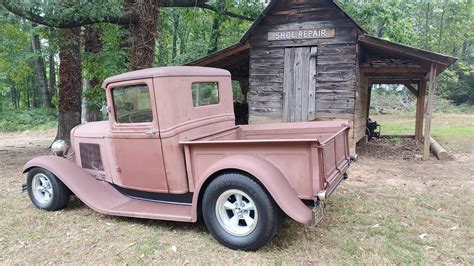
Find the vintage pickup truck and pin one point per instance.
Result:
(171, 151)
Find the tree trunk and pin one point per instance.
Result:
(93, 45)
(69, 82)
(213, 43)
(14, 96)
(41, 71)
(28, 99)
(441, 24)
(52, 75)
(144, 33)
(427, 26)
(215, 31)
(175, 34)
(32, 88)
(183, 38)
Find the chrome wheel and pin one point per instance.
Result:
(42, 189)
(236, 212)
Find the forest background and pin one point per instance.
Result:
(97, 39)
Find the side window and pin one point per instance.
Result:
(205, 93)
(132, 104)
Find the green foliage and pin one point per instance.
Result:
(440, 26)
(16, 60)
(19, 120)
(186, 34)
(112, 60)
(194, 32)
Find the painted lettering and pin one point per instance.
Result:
(301, 34)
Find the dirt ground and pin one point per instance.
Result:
(390, 210)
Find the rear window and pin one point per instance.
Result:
(205, 93)
(132, 104)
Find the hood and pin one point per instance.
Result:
(91, 130)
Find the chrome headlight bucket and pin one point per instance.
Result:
(60, 148)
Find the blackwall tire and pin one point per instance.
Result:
(46, 191)
(234, 196)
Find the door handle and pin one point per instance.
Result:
(151, 132)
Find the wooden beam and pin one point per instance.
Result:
(405, 76)
(392, 69)
(420, 110)
(391, 81)
(219, 55)
(411, 88)
(428, 113)
(369, 96)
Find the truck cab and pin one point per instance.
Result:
(150, 112)
(171, 151)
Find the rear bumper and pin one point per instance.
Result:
(321, 198)
(324, 194)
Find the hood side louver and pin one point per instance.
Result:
(90, 156)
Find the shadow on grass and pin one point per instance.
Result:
(287, 234)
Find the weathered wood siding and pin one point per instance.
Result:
(361, 109)
(335, 84)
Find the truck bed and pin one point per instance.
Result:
(313, 156)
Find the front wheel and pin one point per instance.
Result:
(46, 191)
(239, 213)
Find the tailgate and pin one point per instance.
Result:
(333, 159)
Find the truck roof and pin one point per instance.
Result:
(172, 71)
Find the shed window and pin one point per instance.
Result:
(132, 104)
(205, 93)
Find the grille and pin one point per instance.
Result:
(90, 156)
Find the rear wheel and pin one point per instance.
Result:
(239, 213)
(46, 191)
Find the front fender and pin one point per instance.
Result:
(48, 162)
(98, 195)
(271, 178)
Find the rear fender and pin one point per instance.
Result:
(268, 175)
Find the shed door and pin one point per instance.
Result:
(299, 101)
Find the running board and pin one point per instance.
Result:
(104, 198)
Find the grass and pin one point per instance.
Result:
(454, 130)
(388, 212)
(30, 119)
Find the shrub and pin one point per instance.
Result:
(19, 120)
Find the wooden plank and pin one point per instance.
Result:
(305, 84)
(299, 82)
(420, 104)
(286, 83)
(428, 114)
(312, 83)
(412, 89)
(346, 35)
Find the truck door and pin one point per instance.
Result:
(134, 139)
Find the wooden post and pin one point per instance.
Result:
(420, 109)
(369, 97)
(428, 113)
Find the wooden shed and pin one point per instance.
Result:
(304, 60)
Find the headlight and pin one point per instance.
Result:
(59, 148)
